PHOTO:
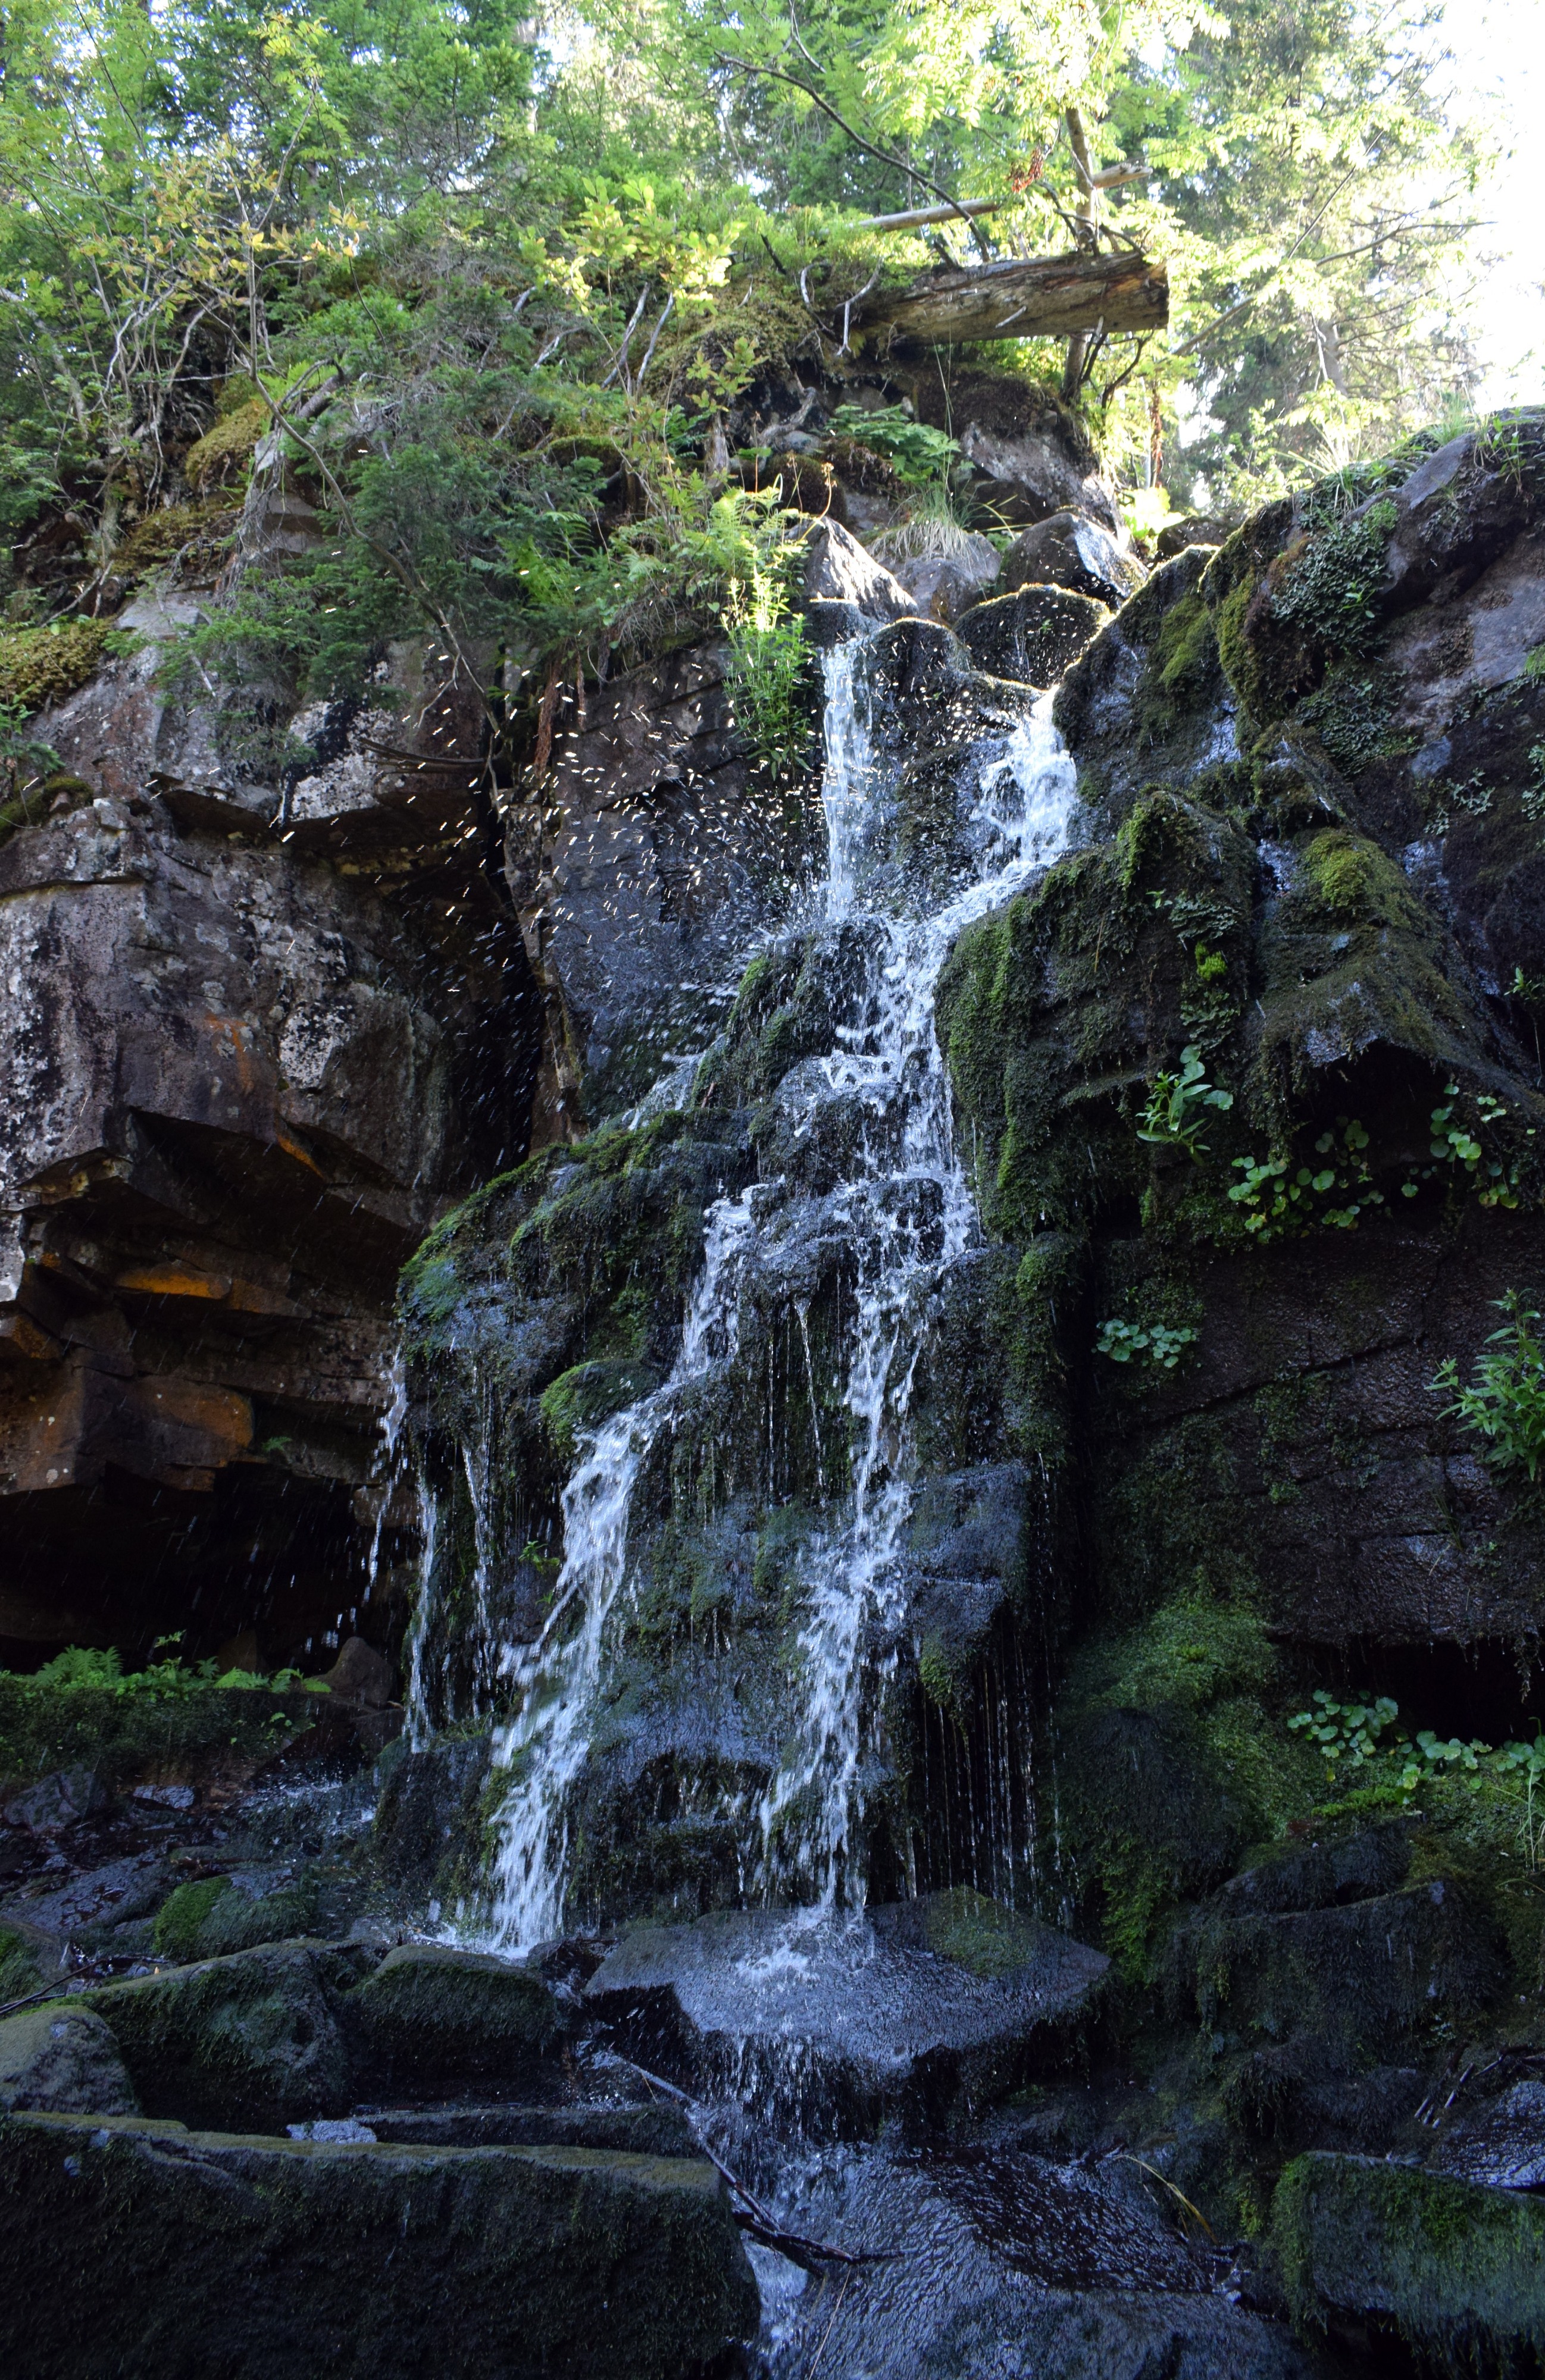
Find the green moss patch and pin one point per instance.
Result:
(1454, 2269)
(40, 666)
(161, 536)
(224, 452)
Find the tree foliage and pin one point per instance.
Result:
(486, 281)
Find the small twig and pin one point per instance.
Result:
(653, 341)
(850, 303)
(897, 165)
(47, 1992)
(621, 358)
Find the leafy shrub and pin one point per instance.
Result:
(770, 671)
(1504, 1403)
(1177, 1105)
(84, 1707)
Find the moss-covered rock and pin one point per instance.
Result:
(1365, 1978)
(249, 2040)
(1452, 2270)
(62, 2058)
(210, 1918)
(432, 2018)
(142, 2250)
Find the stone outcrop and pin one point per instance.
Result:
(245, 1061)
(645, 859)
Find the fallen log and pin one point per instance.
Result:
(1017, 297)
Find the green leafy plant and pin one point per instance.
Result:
(1177, 1106)
(1504, 1403)
(915, 453)
(1366, 1735)
(1347, 1732)
(769, 670)
(1330, 587)
(1281, 1199)
(1160, 1345)
(1495, 1182)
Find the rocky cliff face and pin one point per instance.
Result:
(875, 1460)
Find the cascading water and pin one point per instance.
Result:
(556, 1677)
(905, 1212)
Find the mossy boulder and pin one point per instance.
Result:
(210, 1918)
(1455, 2271)
(154, 2254)
(1365, 1978)
(249, 2040)
(62, 2057)
(435, 2018)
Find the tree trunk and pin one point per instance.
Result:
(1041, 297)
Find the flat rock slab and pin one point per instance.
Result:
(936, 1999)
(658, 2130)
(143, 2251)
(1456, 2271)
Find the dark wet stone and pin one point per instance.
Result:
(1012, 2267)
(830, 2021)
(1500, 2144)
(1035, 634)
(143, 2249)
(1071, 550)
(433, 2016)
(58, 1800)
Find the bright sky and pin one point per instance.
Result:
(1499, 52)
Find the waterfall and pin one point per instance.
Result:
(556, 1677)
(907, 1212)
(910, 1213)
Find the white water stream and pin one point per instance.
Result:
(907, 1213)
